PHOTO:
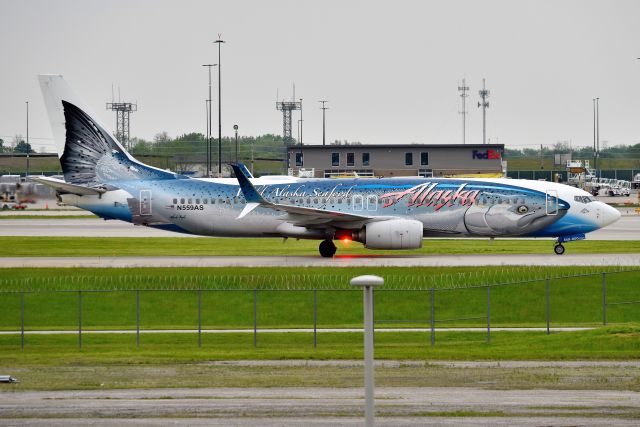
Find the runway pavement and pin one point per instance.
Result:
(627, 228)
(338, 261)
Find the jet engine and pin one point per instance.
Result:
(391, 234)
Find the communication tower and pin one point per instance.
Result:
(463, 89)
(287, 107)
(484, 94)
(123, 111)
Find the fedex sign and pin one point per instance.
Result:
(487, 154)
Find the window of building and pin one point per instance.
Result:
(424, 158)
(299, 159)
(335, 159)
(408, 159)
(351, 159)
(365, 159)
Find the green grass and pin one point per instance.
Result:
(612, 343)
(285, 298)
(169, 246)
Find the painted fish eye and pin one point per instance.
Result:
(522, 209)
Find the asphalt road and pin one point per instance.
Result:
(298, 406)
(316, 261)
(627, 228)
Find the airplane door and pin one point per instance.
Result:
(552, 202)
(372, 202)
(145, 202)
(358, 202)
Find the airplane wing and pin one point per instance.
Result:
(298, 215)
(65, 187)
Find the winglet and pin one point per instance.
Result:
(249, 192)
(251, 195)
(245, 171)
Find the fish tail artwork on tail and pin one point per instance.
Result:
(89, 155)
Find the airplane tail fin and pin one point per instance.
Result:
(89, 155)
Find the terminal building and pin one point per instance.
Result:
(388, 160)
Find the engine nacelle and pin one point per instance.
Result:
(392, 234)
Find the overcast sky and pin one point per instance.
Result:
(389, 69)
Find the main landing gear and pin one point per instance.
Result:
(327, 249)
(558, 248)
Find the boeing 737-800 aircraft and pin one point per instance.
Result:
(382, 213)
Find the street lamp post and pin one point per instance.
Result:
(219, 42)
(235, 127)
(209, 122)
(367, 283)
(323, 108)
(28, 146)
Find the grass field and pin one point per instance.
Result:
(166, 246)
(285, 297)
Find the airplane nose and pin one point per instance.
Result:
(609, 215)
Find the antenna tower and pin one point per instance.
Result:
(123, 111)
(484, 94)
(463, 89)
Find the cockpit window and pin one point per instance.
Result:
(583, 199)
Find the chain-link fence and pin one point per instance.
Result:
(314, 306)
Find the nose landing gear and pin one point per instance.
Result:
(558, 248)
(327, 249)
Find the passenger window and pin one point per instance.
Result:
(205, 201)
(182, 201)
(190, 201)
(197, 201)
(175, 201)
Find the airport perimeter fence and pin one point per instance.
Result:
(584, 300)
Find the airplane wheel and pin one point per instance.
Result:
(558, 249)
(327, 249)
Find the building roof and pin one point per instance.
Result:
(327, 147)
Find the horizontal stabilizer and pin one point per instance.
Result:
(64, 187)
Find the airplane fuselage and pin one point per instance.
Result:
(446, 207)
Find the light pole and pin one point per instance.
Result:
(235, 127)
(595, 153)
(219, 42)
(367, 283)
(323, 108)
(28, 146)
(209, 122)
(598, 171)
(301, 122)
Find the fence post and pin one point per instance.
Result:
(199, 317)
(315, 318)
(22, 320)
(137, 317)
(433, 316)
(255, 317)
(488, 314)
(548, 286)
(604, 298)
(80, 320)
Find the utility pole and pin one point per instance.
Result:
(464, 88)
(28, 146)
(219, 42)
(484, 94)
(323, 108)
(209, 123)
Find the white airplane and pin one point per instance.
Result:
(383, 213)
